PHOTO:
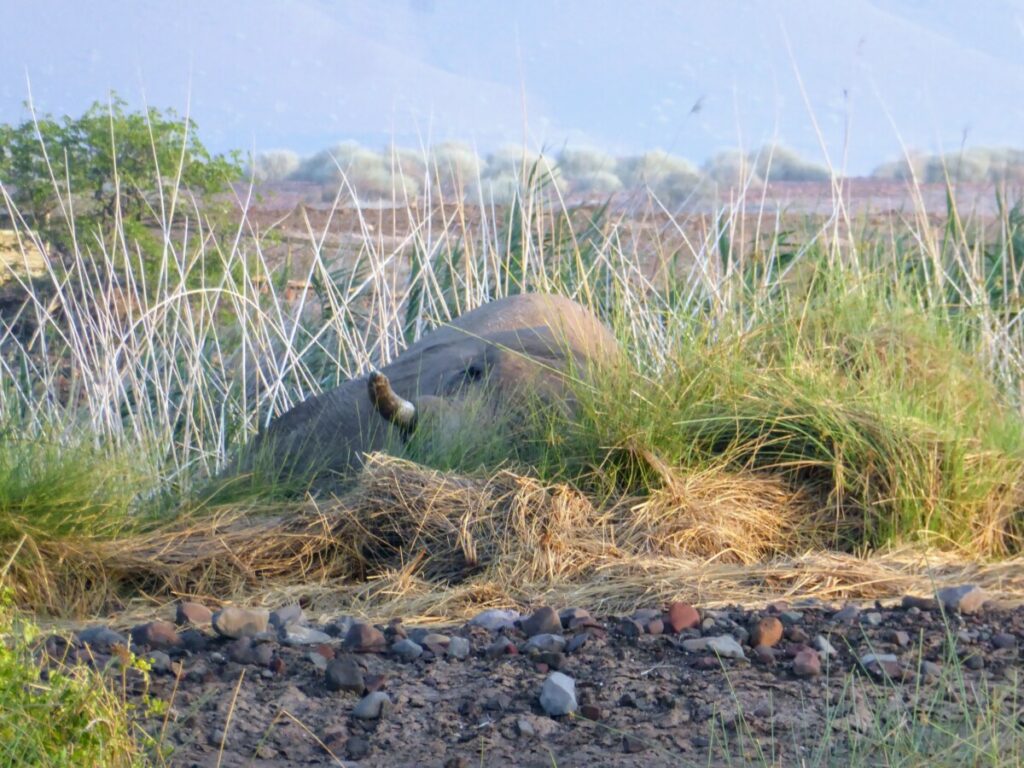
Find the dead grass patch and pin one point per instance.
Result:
(417, 542)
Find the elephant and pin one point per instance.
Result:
(483, 373)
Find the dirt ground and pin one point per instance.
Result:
(281, 694)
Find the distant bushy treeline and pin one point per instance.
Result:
(455, 168)
(977, 164)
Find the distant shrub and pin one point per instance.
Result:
(977, 165)
(579, 163)
(454, 166)
(596, 183)
(732, 168)
(778, 163)
(275, 165)
(671, 179)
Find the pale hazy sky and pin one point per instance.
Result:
(688, 77)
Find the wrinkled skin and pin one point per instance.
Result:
(503, 358)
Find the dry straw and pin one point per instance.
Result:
(411, 541)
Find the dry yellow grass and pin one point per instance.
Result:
(420, 543)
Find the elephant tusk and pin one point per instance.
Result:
(389, 405)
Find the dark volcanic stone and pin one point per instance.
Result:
(344, 674)
(101, 639)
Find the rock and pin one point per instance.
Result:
(824, 647)
(963, 599)
(458, 648)
(847, 614)
(240, 650)
(573, 617)
(789, 618)
(796, 634)
(630, 628)
(318, 660)
(372, 706)
(874, 619)
(1003, 640)
(344, 675)
(807, 663)
(102, 639)
(296, 634)
(194, 641)
(932, 672)
(340, 626)
(192, 614)
(543, 621)
(500, 647)
(495, 620)
(364, 638)
(974, 661)
(541, 643)
(765, 655)
(591, 712)
(878, 658)
(551, 659)
(576, 642)
(375, 682)
(356, 748)
(681, 616)
(159, 662)
(156, 635)
(767, 631)
(724, 646)
(919, 603)
(407, 650)
(655, 626)
(643, 615)
(289, 614)
(525, 728)
(236, 622)
(902, 638)
(558, 694)
(632, 744)
(436, 643)
(882, 665)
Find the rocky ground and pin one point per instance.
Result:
(799, 683)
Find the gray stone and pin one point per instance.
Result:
(967, 598)
(159, 662)
(407, 650)
(344, 675)
(725, 646)
(873, 619)
(847, 614)
(372, 706)
(296, 634)
(319, 661)
(289, 614)
(558, 694)
(495, 620)
(543, 621)
(545, 643)
(236, 622)
(824, 647)
(101, 639)
(458, 648)
(789, 618)
(569, 615)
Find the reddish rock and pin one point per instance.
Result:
(655, 626)
(765, 655)
(543, 621)
(807, 663)
(591, 712)
(767, 631)
(192, 614)
(156, 635)
(681, 616)
(365, 638)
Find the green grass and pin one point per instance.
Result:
(69, 717)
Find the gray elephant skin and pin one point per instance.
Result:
(485, 370)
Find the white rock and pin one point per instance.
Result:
(296, 634)
(496, 619)
(558, 695)
(725, 646)
(458, 648)
(824, 647)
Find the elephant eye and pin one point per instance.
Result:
(474, 373)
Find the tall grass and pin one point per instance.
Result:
(876, 361)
